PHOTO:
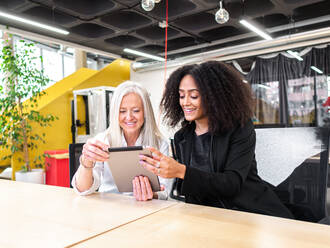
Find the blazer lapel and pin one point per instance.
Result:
(186, 146)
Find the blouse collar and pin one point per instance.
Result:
(138, 142)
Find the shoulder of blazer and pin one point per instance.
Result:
(246, 130)
(243, 130)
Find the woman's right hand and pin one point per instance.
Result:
(94, 151)
(162, 165)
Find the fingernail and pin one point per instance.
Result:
(141, 162)
(141, 156)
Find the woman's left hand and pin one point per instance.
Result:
(162, 165)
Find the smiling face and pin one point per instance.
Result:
(190, 99)
(131, 114)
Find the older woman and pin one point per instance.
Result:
(132, 123)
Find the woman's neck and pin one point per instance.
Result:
(202, 126)
(131, 138)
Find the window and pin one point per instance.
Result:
(52, 64)
(266, 103)
(69, 65)
(300, 101)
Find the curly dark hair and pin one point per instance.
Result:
(226, 99)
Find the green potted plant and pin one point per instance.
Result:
(22, 86)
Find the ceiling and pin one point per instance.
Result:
(111, 25)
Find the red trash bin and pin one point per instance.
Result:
(57, 168)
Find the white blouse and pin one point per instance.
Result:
(103, 179)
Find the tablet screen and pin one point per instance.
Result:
(124, 165)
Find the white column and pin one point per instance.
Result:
(80, 59)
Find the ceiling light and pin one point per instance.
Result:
(162, 24)
(222, 15)
(33, 23)
(316, 69)
(255, 29)
(295, 54)
(127, 50)
(157, 1)
(148, 5)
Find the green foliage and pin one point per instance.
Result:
(20, 91)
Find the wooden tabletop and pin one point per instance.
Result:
(186, 225)
(47, 216)
(33, 215)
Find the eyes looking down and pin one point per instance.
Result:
(131, 113)
(190, 99)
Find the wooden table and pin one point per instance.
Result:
(186, 225)
(47, 216)
(33, 215)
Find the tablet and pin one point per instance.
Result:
(124, 165)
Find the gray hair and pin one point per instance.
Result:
(150, 134)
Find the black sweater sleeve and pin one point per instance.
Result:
(238, 161)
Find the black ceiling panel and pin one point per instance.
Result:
(86, 7)
(197, 22)
(179, 7)
(312, 10)
(130, 2)
(91, 30)
(111, 25)
(221, 33)
(125, 41)
(157, 33)
(181, 42)
(120, 20)
(235, 9)
(272, 20)
(256, 7)
(10, 4)
(153, 49)
(47, 14)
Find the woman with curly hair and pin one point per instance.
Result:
(215, 148)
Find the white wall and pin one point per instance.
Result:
(154, 82)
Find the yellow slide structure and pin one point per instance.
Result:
(57, 101)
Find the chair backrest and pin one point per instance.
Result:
(295, 162)
(74, 154)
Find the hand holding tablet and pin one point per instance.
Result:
(124, 165)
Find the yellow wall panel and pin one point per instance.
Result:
(58, 102)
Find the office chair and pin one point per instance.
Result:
(294, 161)
(74, 154)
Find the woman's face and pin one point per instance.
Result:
(131, 113)
(190, 99)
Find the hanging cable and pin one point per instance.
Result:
(165, 65)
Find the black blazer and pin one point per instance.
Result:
(233, 181)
